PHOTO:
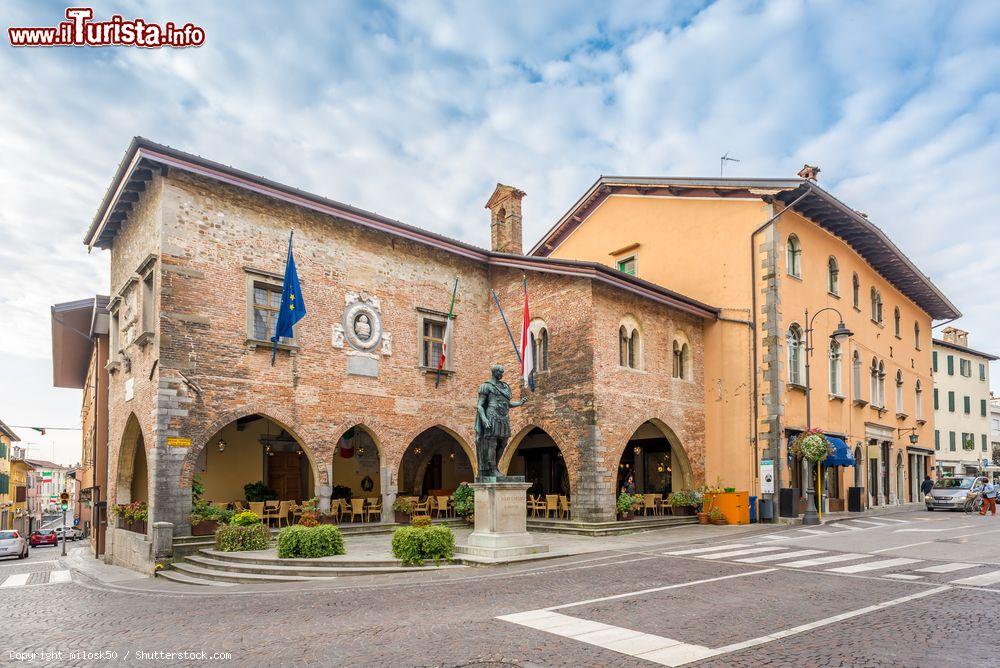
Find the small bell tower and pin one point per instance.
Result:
(505, 219)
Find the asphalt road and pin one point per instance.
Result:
(909, 589)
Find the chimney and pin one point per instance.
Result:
(808, 172)
(956, 336)
(505, 219)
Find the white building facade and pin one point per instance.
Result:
(962, 408)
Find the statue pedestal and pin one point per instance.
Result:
(501, 523)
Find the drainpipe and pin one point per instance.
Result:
(753, 318)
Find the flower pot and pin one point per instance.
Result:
(326, 519)
(402, 518)
(702, 518)
(721, 520)
(683, 511)
(625, 516)
(204, 528)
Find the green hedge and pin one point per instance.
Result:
(234, 538)
(414, 545)
(301, 542)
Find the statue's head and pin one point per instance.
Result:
(498, 371)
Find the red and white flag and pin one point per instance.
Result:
(527, 351)
(444, 345)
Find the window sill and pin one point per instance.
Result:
(258, 343)
(833, 294)
(861, 403)
(111, 367)
(902, 416)
(433, 370)
(921, 422)
(837, 397)
(857, 308)
(796, 387)
(797, 278)
(143, 339)
(881, 325)
(628, 368)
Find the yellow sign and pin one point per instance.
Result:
(178, 442)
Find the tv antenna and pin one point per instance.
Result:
(723, 160)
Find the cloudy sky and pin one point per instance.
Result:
(416, 110)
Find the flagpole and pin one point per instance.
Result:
(274, 351)
(451, 312)
(509, 333)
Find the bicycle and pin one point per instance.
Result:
(974, 505)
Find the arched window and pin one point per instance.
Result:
(918, 395)
(899, 392)
(856, 364)
(856, 286)
(794, 257)
(795, 355)
(678, 364)
(833, 276)
(540, 348)
(881, 384)
(916, 335)
(895, 322)
(874, 382)
(685, 362)
(629, 344)
(876, 306)
(835, 384)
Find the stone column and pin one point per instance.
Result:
(388, 495)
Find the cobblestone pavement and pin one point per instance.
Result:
(428, 621)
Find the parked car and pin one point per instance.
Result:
(72, 533)
(953, 493)
(13, 544)
(43, 537)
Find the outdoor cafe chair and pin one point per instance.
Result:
(535, 506)
(648, 504)
(442, 506)
(564, 506)
(257, 508)
(271, 509)
(552, 505)
(421, 509)
(374, 508)
(358, 509)
(282, 513)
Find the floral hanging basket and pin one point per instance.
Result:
(812, 445)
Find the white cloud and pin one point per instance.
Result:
(415, 110)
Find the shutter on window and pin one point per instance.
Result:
(951, 365)
(935, 399)
(934, 358)
(982, 407)
(951, 441)
(937, 440)
(951, 402)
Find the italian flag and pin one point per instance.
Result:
(527, 352)
(447, 335)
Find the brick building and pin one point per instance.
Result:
(197, 251)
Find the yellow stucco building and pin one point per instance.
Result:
(765, 251)
(7, 437)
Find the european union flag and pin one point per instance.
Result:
(293, 306)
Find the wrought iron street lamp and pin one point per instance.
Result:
(840, 335)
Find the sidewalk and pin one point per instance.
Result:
(845, 515)
(79, 558)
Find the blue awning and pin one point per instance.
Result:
(841, 454)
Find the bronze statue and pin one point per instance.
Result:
(493, 423)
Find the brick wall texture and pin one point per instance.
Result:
(198, 372)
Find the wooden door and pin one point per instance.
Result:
(283, 475)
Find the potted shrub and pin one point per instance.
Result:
(465, 502)
(683, 502)
(415, 544)
(716, 516)
(132, 516)
(303, 542)
(243, 533)
(402, 507)
(625, 506)
(258, 491)
(204, 518)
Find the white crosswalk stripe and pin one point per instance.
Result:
(874, 524)
(873, 566)
(740, 553)
(903, 576)
(946, 568)
(776, 557)
(717, 548)
(819, 561)
(17, 580)
(841, 525)
(818, 532)
(60, 576)
(979, 580)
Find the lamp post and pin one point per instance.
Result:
(839, 335)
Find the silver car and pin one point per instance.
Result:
(13, 544)
(72, 533)
(954, 493)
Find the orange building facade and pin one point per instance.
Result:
(766, 252)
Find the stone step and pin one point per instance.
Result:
(258, 558)
(286, 569)
(197, 571)
(177, 576)
(607, 528)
